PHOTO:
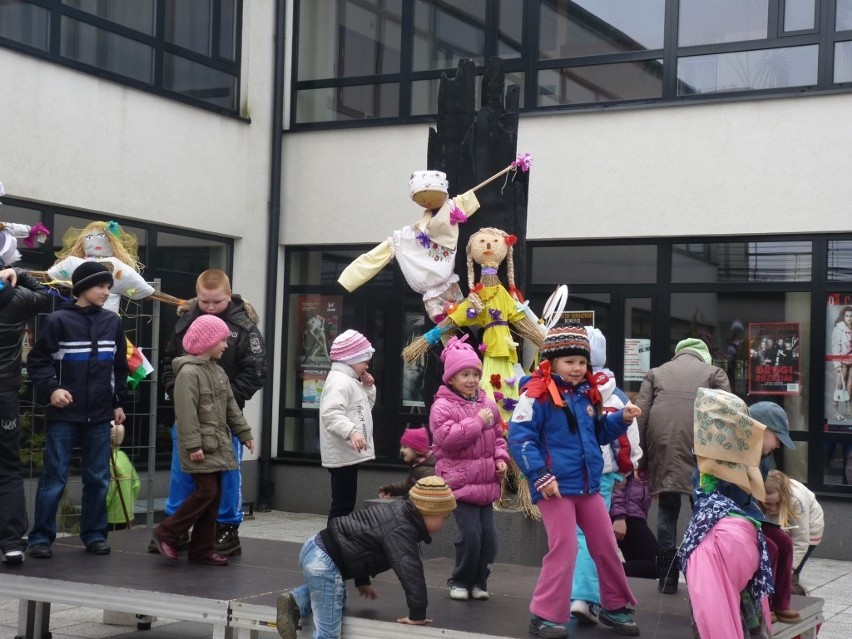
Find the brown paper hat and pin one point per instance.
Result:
(728, 441)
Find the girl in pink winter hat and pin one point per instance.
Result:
(346, 423)
(416, 451)
(470, 446)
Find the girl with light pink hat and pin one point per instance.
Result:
(346, 423)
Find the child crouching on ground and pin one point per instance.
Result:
(360, 546)
(205, 410)
(555, 436)
(415, 450)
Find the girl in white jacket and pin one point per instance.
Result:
(346, 423)
(792, 506)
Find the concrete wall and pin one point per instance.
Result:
(761, 166)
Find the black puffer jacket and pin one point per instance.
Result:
(18, 304)
(380, 538)
(244, 360)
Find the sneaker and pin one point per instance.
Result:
(586, 612)
(479, 594)
(40, 551)
(228, 540)
(620, 620)
(548, 629)
(458, 593)
(13, 557)
(287, 615)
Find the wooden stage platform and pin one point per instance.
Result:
(238, 600)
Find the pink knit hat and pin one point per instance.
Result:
(350, 347)
(205, 332)
(458, 355)
(416, 439)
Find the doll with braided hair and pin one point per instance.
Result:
(104, 242)
(494, 309)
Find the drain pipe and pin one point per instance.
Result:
(265, 485)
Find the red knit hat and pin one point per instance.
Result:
(416, 439)
(458, 355)
(205, 332)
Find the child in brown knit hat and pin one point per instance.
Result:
(373, 540)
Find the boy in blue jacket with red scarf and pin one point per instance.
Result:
(555, 436)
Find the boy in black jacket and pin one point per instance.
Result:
(360, 546)
(79, 361)
(245, 365)
(21, 299)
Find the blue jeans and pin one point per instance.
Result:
(93, 440)
(586, 585)
(181, 485)
(324, 592)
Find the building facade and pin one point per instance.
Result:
(687, 178)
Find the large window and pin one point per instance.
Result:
(187, 49)
(386, 311)
(170, 255)
(382, 59)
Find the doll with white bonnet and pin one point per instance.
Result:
(425, 250)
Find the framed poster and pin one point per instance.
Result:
(838, 363)
(774, 358)
(317, 324)
(637, 359)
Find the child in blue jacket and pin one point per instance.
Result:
(555, 436)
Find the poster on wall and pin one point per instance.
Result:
(317, 324)
(414, 373)
(774, 358)
(838, 363)
(637, 359)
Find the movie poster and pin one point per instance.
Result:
(838, 362)
(317, 324)
(774, 358)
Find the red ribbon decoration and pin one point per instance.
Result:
(598, 379)
(542, 383)
(514, 292)
(511, 240)
(495, 381)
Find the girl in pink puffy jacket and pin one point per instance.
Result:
(470, 446)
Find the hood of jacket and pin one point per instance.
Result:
(236, 307)
(188, 360)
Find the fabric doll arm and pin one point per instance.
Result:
(63, 269)
(467, 202)
(127, 282)
(366, 266)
